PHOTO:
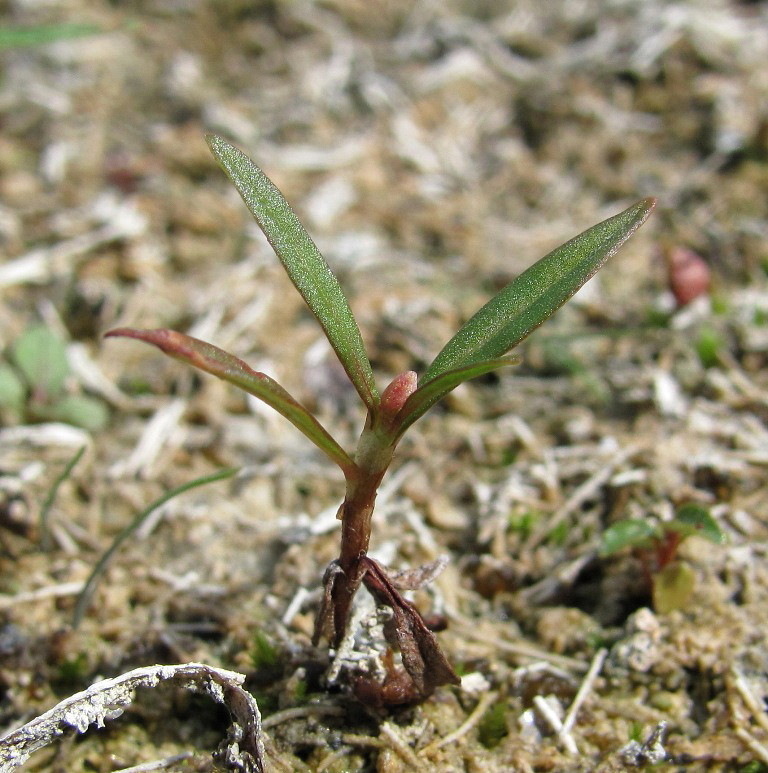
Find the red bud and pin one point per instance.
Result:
(395, 395)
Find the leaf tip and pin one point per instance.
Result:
(648, 204)
(214, 142)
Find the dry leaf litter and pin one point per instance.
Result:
(434, 150)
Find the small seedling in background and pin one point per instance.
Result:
(671, 581)
(478, 348)
(33, 384)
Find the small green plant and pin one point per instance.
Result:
(671, 581)
(478, 348)
(33, 383)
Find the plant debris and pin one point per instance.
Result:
(106, 700)
(440, 148)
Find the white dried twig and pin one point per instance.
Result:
(42, 263)
(146, 767)
(466, 628)
(584, 690)
(156, 435)
(44, 435)
(584, 492)
(399, 745)
(750, 701)
(752, 744)
(295, 605)
(242, 752)
(298, 712)
(48, 592)
(472, 720)
(551, 718)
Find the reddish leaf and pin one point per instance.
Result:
(226, 366)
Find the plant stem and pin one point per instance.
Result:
(374, 453)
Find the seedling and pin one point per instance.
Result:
(671, 581)
(33, 383)
(478, 348)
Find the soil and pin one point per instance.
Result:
(433, 150)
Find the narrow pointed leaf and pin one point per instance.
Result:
(432, 391)
(226, 366)
(302, 260)
(537, 293)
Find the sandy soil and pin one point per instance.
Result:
(434, 150)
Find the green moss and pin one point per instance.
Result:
(493, 726)
(263, 654)
(523, 524)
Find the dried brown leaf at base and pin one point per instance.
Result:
(426, 666)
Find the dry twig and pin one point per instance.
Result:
(243, 751)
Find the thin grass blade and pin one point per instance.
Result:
(226, 366)
(103, 562)
(537, 293)
(45, 510)
(305, 265)
(432, 391)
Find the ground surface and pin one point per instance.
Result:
(434, 150)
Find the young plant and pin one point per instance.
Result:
(671, 581)
(33, 383)
(478, 348)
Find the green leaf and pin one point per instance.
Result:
(709, 346)
(226, 366)
(80, 411)
(673, 587)
(263, 652)
(693, 519)
(630, 532)
(432, 391)
(305, 265)
(12, 390)
(537, 293)
(41, 356)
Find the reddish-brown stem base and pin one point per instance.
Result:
(425, 665)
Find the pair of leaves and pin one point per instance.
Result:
(476, 349)
(690, 519)
(32, 383)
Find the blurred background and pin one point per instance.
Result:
(434, 149)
